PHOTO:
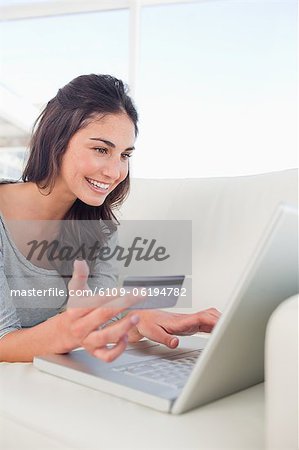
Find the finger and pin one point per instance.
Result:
(205, 316)
(205, 329)
(134, 335)
(207, 321)
(213, 316)
(111, 334)
(159, 334)
(119, 304)
(214, 312)
(75, 313)
(90, 322)
(187, 324)
(80, 276)
(110, 354)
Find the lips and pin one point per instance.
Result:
(99, 184)
(98, 187)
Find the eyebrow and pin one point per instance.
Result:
(110, 144)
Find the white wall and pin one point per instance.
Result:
(217, 89)
(216, 80)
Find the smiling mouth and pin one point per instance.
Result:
(97, 185)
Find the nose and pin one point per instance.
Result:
(112, 168)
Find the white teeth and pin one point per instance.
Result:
(96, 183)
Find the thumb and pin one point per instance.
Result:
(80, 276)
(160, 335)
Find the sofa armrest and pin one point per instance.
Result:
(281, 377)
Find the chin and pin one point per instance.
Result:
(91, 202)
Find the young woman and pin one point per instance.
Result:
(78, 168)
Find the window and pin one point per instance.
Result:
(40, 55)
(215, 86)
(217, 89)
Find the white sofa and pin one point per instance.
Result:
(228, 216)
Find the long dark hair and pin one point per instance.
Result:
(70, 110)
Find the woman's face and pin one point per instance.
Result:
(97, 158)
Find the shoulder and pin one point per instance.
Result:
(10, 196)
(7, 185)
(3, 196)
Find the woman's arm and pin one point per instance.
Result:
(67, 331)
(76, 327)
(22, 345)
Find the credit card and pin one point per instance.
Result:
(160, 291)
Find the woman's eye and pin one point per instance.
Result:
(126, 155)
(100, 150)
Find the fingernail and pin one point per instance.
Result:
(174, 342)
(77, 261)
(134, 319)
(125, 338)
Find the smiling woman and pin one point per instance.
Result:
(78, 168)
(87, 109)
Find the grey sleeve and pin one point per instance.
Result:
(106, 273)
(9, 320)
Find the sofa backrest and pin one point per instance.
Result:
(228, 217)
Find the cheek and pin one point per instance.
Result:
(76, 165)
(124, 171)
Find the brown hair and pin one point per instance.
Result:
(70, 110)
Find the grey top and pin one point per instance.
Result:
(20, 307)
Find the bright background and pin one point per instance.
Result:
(214, 81)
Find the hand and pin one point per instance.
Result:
(160, 326)
(79, 325)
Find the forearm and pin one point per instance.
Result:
(22, 345)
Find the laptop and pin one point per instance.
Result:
(202, 370)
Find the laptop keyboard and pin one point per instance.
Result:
(170, 372)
